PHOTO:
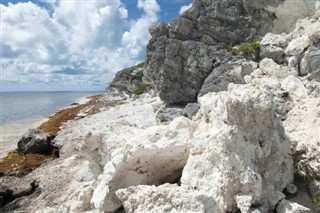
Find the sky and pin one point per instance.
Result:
(78, 45)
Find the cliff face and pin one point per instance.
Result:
(181, 56)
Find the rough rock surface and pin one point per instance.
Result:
(165, 198)
(125, 82)
(169, 113)
(235, 146)
(286, 206)
(230, 153)
(35, 142)
(231, 72)
(181, 56)
(302, 125)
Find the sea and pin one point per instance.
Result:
(23, 110)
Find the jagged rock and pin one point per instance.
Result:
(315, 76)
(178, 54)
(169, 113)
(313, 88)
(221, 77)
(232, 156)
(293, 62)
(125, 82)
(297, 46)
(35, 142)
(190, 110)
(12, 188)
(271, 39)
(302, 125)
(314, 187)
(186, 63)
(152, 156)
(273, 52)
(294, 87)
(286, 206)
(269, 67)
(312, 59)
(165, 198)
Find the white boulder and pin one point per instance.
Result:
(165, 198)
(269, 67)
(298, 46)
(294, 87)
(239, 153)
(286, 206)
(136, 156)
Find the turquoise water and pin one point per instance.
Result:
(23, 110)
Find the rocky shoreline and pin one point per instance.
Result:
(224, 116)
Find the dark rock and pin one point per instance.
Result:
(273, 52)
(315, 76)
(225, 74)
(181, 56)
(12, 188)
(35, 142)
(126, 81)
(312, 58)
(169, 113)
(190, 110)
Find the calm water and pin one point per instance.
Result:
(23, 110)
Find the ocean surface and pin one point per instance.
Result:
(23, 110)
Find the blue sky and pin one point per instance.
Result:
(75, 44)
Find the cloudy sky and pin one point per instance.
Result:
(75, 44)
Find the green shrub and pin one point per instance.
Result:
(253, 47)
(249, 47)
(141, 89)
(234, 52)
(140, 65)
(316, 200)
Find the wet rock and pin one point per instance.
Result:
(35, 142)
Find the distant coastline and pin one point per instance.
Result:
(28, 109)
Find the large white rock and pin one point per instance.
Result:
(298, 46)
(294, 87)
(239, 153)
(303, 126)
(275, 40)
(135, 156)
(286, 206)
(269, 67)
(165, 198)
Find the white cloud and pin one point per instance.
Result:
(185, 8)
(75, 43)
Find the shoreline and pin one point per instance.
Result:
(14, 164)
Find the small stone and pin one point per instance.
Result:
(291, 189)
